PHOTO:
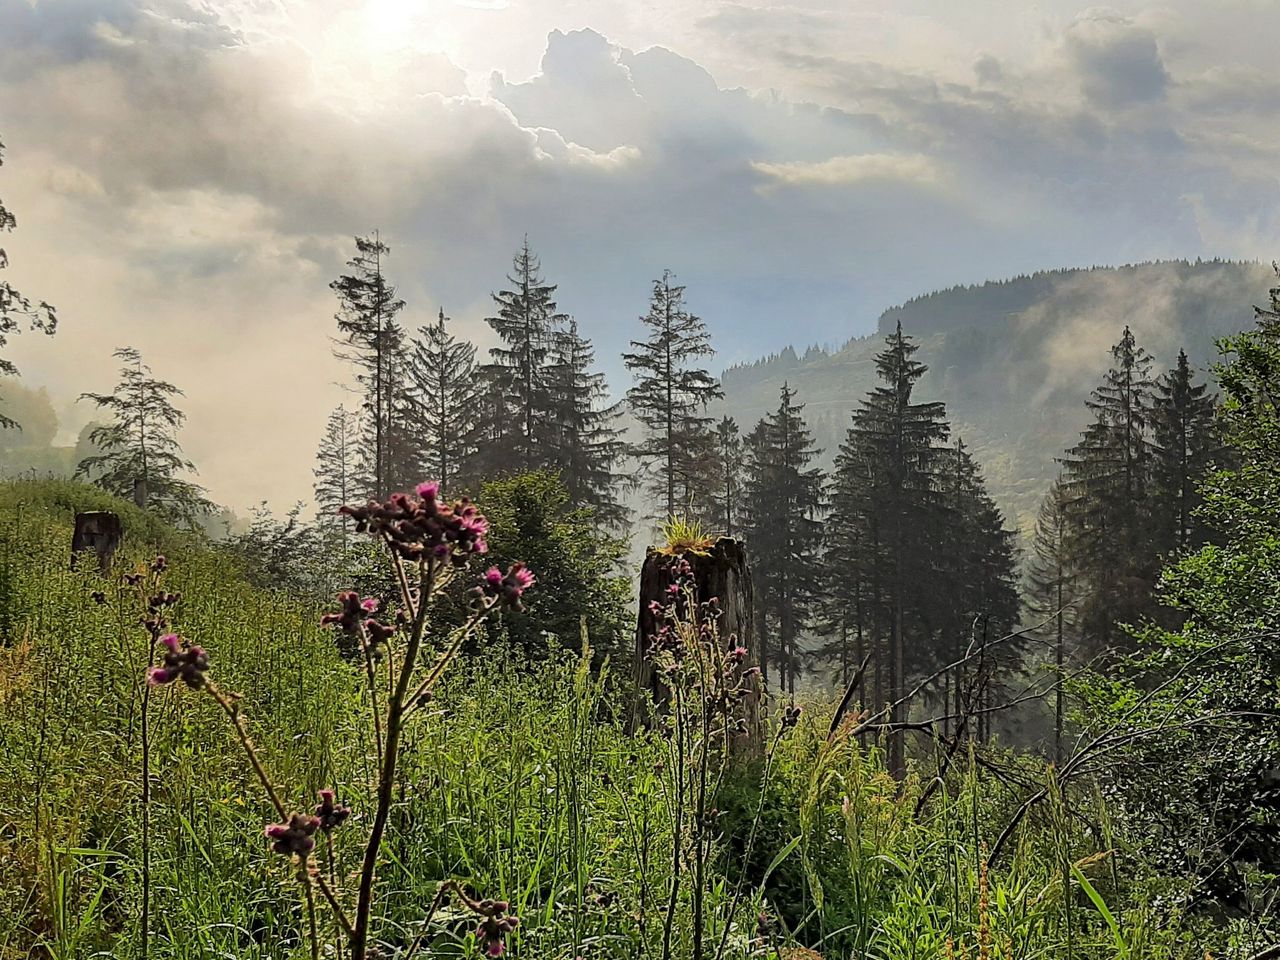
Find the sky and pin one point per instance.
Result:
(188, 176)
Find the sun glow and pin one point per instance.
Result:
(392, 24)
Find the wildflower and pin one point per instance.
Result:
(159, 564)
(379, 633)
(162, 600)
(495, 925)
(182, 661)
(330, 813)
(419, 527)
(297, 837)
(133, 579)
(98, 597)
(510, 586)
(791, 716)
(737, 654)
(764, 926)
(351, 612)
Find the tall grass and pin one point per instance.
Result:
(519, 782)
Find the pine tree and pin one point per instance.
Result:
(403, 439)
(17, 310)
(496, 428)
(1051, 592)
(338, 479)
(1107, 478)
(852, 612)
(140, 456)
(784, 533)
(443, 372)
(897, 443)
(728, 475)
(584, 439)
(976, 599)
(670, 397)
(526, 322)
(373, 341)
(1187, 445)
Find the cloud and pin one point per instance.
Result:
(836, 171)
(1119, 63)
(188, 178)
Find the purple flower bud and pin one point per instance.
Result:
(295, 838)
(421, 527)
(182, 661)
(330, 813)
(508, 587)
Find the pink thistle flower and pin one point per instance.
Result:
(181, 661)
(330, 813)
(508, 587)
(296, 838)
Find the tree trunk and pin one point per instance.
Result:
(722, 573)
(100, 532)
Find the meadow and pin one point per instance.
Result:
(517, 782)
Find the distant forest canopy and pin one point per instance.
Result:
(1015, 360)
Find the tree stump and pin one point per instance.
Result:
(100, 532)
(723, 573)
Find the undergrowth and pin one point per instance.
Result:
(517, 781)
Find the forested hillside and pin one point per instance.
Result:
(1014, 360)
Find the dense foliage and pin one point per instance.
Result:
(520, 784)
(1204, 796)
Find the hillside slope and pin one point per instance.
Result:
(1015, 360)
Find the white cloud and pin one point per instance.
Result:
(188, 178)
(845, 170)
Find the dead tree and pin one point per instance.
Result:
(721, 572)
(100, 532)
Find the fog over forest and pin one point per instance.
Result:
(188, 178)
(664, 480)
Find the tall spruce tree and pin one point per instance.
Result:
(373, 341)
(1051, 591)
(976, 600)
(670, 397)
(496, 428)
(1187, 445)
(17, 310)
(897, 442)
(526, 322)
(784, 533)
(443, 372)
(852, 607)
(1107, 479)
(730, 462)
(404, 440)
(140, 457)
(585, 442)
(338, 476)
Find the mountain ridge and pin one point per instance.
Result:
(1015, 359)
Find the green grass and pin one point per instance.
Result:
(520, 782)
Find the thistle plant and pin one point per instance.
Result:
(428, 543)
(709, 682)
